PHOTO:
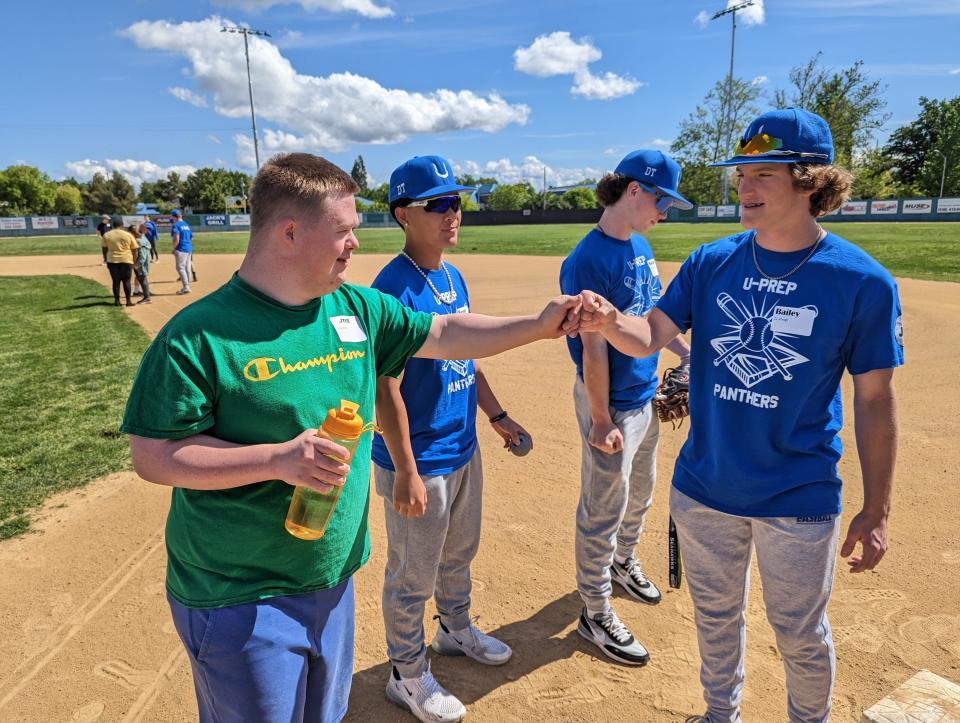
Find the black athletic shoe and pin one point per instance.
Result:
(612, 637)
(631, 578)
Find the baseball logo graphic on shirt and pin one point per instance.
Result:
(646, 293)
(757, 346)
(460, 366)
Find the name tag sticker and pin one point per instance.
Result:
(791, 320)
(653, 267)
(348, 328)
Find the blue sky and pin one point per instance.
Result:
(499, 87)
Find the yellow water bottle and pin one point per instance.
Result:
(310, 511)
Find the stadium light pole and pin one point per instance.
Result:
(246, 32)
(727, 110)
(943, 173)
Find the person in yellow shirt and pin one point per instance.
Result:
(121, 249)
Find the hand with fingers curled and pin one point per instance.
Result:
(556, 314)
(311, 461)
(605, 436)
(595, 314)
(409, 494)
(870, 530)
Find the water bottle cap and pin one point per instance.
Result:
(344, 422)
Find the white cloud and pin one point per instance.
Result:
(605, 87)
(530, 169)
(214, 139)
(753, 15)
(321, 113)
(555, 54)
(367, 8)
(955, 71)
(188, 96)
(134, 171)
(609, 151)
(661, 143)
(760, 80)
(559, 54)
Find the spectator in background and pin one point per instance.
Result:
(102, 229)
(141, 262)
(121, 247)
(151, 234)
(182, 237)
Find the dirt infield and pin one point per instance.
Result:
(87, 634)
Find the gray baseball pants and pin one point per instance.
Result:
(429, 556)
(616, 490)
(797, 559)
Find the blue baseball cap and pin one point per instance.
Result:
(654, 168)
(424, 177)
(175, 212)
(789, 135)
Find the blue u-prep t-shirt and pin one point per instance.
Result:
(440, 395)
(186, 236)
(625, 273)
(767, 357)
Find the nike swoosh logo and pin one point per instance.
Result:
(459, 642)
(409, 692)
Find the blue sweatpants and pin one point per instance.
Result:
(280, 660)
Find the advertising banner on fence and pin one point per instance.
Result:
(706, 211)
(239, 219)
(218, 220)
(948, 205)
(235, 203)
(854, 208)
(163, 220)
(76, 222)
(918, 206)
(726, 211)
(44, 222)
(884, 206)
(13, 224)
(132, 220)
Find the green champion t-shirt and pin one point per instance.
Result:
(242, 367)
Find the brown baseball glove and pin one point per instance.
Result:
(671, 397)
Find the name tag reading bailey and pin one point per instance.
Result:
(348, 328)
(796, 321)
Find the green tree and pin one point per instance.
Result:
(847, 99)
(380, 194)
(359, 174)
(25, 190)
(206, 188)
(68, 200)
(702, 137)
(512, 197)
(109, 195)
(169, 191)
(578, 198)
(914, 149)
(872, 177)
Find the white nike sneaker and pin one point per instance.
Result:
(424, 697)
(472, 642)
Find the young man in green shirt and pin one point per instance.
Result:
(224, 409)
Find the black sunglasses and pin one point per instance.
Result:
(440, 205)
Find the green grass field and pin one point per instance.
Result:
(68, 358)
(915, 250)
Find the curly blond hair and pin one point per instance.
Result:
(830, 185)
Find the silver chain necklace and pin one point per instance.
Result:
(446, 298)
(756, 262)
